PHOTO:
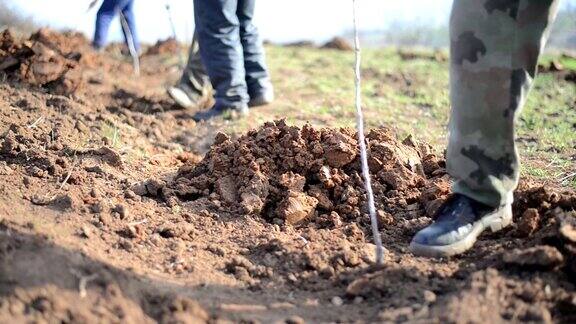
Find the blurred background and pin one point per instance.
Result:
(404, 23)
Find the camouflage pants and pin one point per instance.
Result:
(495, 45)
(194, 77)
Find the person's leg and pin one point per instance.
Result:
(257, 76)
(194, 85)
(495, 45)
(194, 75)
(218, 33)
(103, 19)
(127, 9)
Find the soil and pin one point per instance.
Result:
(338, 43)
(116, 207)
(166, 46)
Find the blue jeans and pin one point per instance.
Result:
(106, 13)
(231, 50)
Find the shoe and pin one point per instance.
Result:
(183, 98)
(262, 99)
(180, 97)
(219, 110)
(187, 96)
(460, 221)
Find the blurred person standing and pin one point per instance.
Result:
(233, 55)
(108, 10)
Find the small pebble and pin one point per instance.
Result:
(429, 296)
(358, 300)
(86, 232)
(337, 301)
(122, 210)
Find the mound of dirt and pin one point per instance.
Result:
(166, 46)
(292, 174)
(310, 178)
(66, 43)
(288, 174)
(338, 43)
(46, 59)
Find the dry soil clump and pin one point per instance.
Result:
(338, 43)
(295, 174)
(166, 46)
(47, 59)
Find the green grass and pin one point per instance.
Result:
(566, 61)
(112, 133)
(317, 86)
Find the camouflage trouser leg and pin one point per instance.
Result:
(194, 76)
(495, 45)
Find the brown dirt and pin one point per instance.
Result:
(280, 171)
(108, 213)
(163, 47)
(41, 61)
(338, 43)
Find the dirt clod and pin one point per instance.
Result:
(226, 188)
(41, 61)
(183, 310)
(162, 47)
(338, 43)
(567, 227)
(110, 156)
(529, 222)
(296, 207)
(539, 257)
(65, 202)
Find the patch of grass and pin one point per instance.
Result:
(112, 133)
(536, 172)
(567, 62)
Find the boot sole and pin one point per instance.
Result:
(258, 103)
(261, 100)
(496, 222)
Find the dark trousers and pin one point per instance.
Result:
(106, 13)
(231, 50)
(194, 77)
